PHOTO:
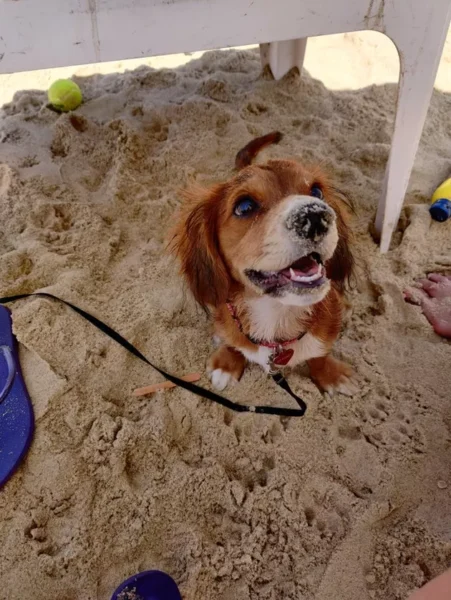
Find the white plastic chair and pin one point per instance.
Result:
(420, 49)
(50, 33)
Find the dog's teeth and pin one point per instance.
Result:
(304, 278)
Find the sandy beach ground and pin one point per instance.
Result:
(353, 502)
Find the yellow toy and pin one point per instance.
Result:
(65, 95)
(441, 202)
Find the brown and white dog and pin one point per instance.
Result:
(267, 254)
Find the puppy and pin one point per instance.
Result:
(267, 254)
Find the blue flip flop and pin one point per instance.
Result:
(148, 585)
(16, 411)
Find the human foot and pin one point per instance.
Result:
(434, 296)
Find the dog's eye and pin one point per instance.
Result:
(245, 206)
(316, 191)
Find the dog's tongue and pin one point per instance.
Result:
(305, 267)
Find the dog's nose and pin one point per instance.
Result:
(311, 220)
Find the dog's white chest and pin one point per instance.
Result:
(262, 356)
(307, 347)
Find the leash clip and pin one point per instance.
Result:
(273, 367)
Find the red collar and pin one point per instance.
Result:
(275, 345)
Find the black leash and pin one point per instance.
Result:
(191, 387)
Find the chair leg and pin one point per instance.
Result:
(417, 76)
(283, 56)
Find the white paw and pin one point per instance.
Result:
(221, 379)
(345, 385)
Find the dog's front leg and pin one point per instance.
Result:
(225, 366)
(332, 375)
(329, 374)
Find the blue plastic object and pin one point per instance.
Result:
(441, 210)
(16, 411)
(148, 585)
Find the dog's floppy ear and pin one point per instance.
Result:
(341, 266)
(195, 243)
(247, 154)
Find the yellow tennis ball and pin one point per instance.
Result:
(65, 95)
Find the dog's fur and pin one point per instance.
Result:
(226, 257)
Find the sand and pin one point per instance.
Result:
(352, 502)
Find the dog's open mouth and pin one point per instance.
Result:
(305, 273)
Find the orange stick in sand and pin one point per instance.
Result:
(165, 385)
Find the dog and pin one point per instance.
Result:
(268, 255)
